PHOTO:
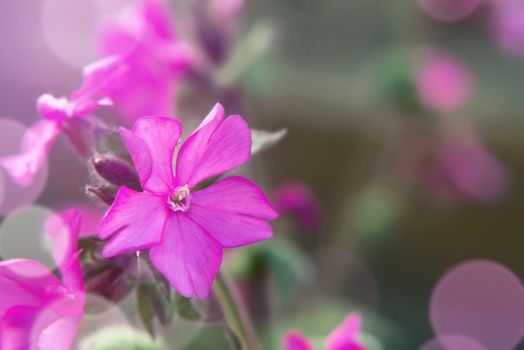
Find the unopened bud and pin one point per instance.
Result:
(116, 171)
(103, 194)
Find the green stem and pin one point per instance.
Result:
(235, 314)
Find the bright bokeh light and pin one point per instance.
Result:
(482, 300)
(71, 27)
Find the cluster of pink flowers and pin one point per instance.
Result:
(182, 225)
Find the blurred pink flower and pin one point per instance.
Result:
(443, 83)
(186, 231)
(145, 39)
(465, 168)
(344, 337)
(296, 341)
(299, 201)
(448, 10)
(37, 310)
(99, 79)
(508, 26)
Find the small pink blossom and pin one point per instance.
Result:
(99, 78)
(144, 38)
(37, 310)
(186, 229)
(443, 83)
(344, 337)
(299, 201)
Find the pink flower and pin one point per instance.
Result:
(144, 38)
(37, 310)
(443, 83)
(297, 200)
(508, 26)
(186, 229)
(56, 113)
(344, 337)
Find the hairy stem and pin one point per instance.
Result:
(235, 314)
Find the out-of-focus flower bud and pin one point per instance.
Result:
(116, 171)
(111, 283)
(102, 194)
(299, 201)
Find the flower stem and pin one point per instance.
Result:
(235, 314)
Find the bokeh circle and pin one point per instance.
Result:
(482, 300)
(448, 10)
(22, 235)
(452, 342)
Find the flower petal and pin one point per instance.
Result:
(17, 328)
(60, 334)
(144, 92)
(187, 257)
(296, 341)
(234, 211)
(217, 146)
(136, 218)
(64, 230)
(151, 145)
(25, 282)
(36, 145)
(344, 337)
(101, 78)
(52, 108)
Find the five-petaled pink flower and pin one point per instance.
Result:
(186, 230)
(56, 113)
(344, 337)
(37, 310)
(144, 39)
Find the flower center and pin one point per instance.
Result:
(179, 199)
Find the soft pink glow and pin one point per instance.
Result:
(443, 83)
(466, 169)
(452, 342)
(482, 300)
(448, 10)
(508, 26)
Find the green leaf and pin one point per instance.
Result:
(262, 140)
(250, 48)
(145, 307)
(185, 308)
